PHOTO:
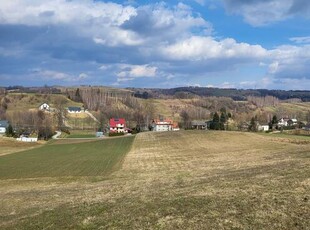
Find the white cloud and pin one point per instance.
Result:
(97, 20)
(227, 85)
(179, 40)
(35, 12)
(82, 76)
(52, 75)
(273, 67)
(263, 12)
(198, 48)
(301, 40)
(290, 61)
(130, 72)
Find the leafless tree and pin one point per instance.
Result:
(60, 112)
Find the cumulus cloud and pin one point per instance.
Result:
(52, 75)
(130, 72)
(301, 40)
(203, 48)
(158, 23)
(263, 12)
(91, 19)
(78, 41)
(290, 61)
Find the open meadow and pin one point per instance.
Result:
(169, 180)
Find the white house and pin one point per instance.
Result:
(283, 122)
(44, 106)
(287, 122)
(164, 125)
(263, 128)
(292, 121)
(3, 126)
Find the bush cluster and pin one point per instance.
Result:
(115, 134)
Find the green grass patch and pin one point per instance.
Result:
(96, 158)
(81, 136)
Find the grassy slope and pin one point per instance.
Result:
(80, 159)
(25, 101)
(180, 180)
(10, 145)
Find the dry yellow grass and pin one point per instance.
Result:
(176, 180)
(10, 145)
(77, 115)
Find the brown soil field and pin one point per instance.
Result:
(175, 180)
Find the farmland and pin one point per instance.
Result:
(179, 180)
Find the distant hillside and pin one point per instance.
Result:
(235, 94)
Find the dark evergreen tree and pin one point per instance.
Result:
(223, 118)
(273, 123)
(216, 117)
(9, 131)
(215, 124)
(253, 125)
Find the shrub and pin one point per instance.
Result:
(115, 134)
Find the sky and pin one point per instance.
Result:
(156, 44)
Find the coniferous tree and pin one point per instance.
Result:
(253, 125)
(9, 131)
(215, 122)
(273, 122)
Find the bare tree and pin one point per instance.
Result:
(60, 112)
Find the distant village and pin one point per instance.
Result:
(32, 114)
(118, 126)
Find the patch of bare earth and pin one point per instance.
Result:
(177, 180)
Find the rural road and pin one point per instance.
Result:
(58, 133)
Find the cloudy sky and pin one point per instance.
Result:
(214, 43)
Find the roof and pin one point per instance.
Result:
(4, 123)
(117, 121)
(163, 122)
(195, 122)
(76, 109)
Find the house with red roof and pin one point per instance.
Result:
(164, 125)
(118, 125)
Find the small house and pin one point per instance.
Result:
(263, 128)
(292, 122)
(283, 122)
(117, 125)
(4, 124)
(73, 109)
(44, 107)
(163, 125)
(202, 125)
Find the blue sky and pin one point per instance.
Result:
(162, 44)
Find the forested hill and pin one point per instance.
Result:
(180, 92)
(235, 94)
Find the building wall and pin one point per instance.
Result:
(2, 130)
(44, 107)
(27, 139)
(163, 127)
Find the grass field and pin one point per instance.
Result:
(78, 133)
(76, 159)
(179, 180)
